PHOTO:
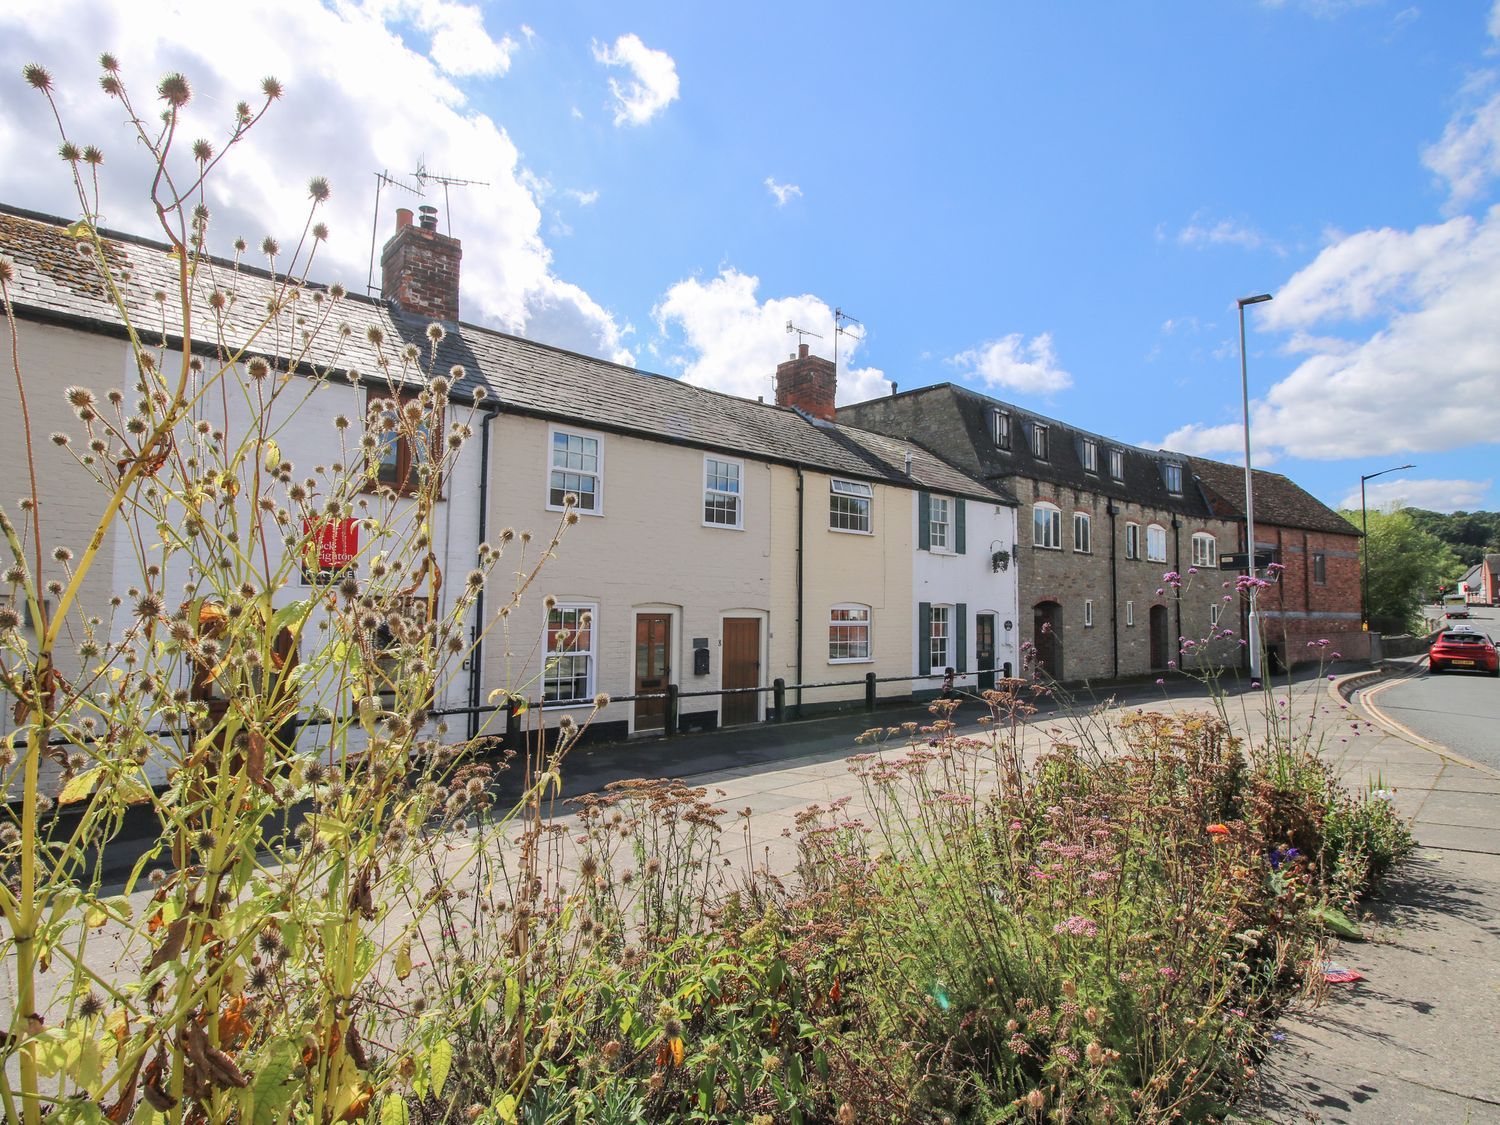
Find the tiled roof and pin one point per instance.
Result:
(955, 422)
(54, 282)
(1279, 502)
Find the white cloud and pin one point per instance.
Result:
(1015, 364)
(1202, 231)
(782, 192)
(1434, 495)
(583, 198)
(367, 87)
(652, 84)
(1222, 443)
(1468, 154)
(736, 340)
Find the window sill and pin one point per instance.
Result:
(580, 511)
(1044, 547)
(567, 705)
(851, 531)
(724, 526)
(852, 660)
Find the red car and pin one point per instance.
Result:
(1463, 649)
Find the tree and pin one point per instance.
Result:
(1472, 535)
(1406, 566)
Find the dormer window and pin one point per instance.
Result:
(1173, 474)
(1000, 428)
(1117, 464)
(1089, 453)
(1039, 441)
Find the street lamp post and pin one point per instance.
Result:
(1364, 545)
(1254, 617)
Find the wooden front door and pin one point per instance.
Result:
(741, 669)
(984, 649)
(1159, 639)
(1046, 636)
(653, 669)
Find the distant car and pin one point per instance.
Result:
(1464, 649)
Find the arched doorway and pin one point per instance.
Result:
(1160, 642)
(1046, 635)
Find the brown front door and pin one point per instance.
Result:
(1046, 636)
(741, 669)
(1158, 636)
(653, 670)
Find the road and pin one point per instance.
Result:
(1461, 710)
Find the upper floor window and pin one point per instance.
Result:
(1000, 428)
(1132, 540)
(1081, 533)
(849, 505)
(1320, 567)
(1172, 472)
(722, 482)
(1046, 526)
(577, 468)
(568, 671)
(849, 633)
(1089, 452)
(1088, 613)
(1039, 441)
(403, 445)
(1205, 550)
(939, 522)
(1117, 464)
(1156, 543)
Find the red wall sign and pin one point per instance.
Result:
(337, 542)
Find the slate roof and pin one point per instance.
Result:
(955, 422)
(54, 283)
(1279, 502)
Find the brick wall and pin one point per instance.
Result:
(1300, 610)
(808, 382)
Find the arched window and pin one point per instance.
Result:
(1205, 551)
(1046, 525)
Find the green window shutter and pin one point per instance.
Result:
(958, 524)
(924, 521)
(961, 638)
(924, 638)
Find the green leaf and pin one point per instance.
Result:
(1337, 921)
(512, 998)
(291, 616)
(393, 1110)
(439, 1064)
(270, 1093)
(80, 786)
(506, 1108)
(81, 229)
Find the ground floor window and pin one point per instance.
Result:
(568, 674)
(937, 637)
(849, 633)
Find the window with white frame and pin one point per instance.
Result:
(1082, 528)
(1089, 452)
(1117, 464)
(1213, 614)
(568, 671)
(577, 468)
(937, 637)
(1205, 550)
(1046, 526)
(848, 633)
(1130, 613)
(939, 519)
(1039, 441)
(1000, 428)
(1172, 471)
(849, 505)
(723, 483)
(1156, 543)
(1132, 540)
(1088, 613)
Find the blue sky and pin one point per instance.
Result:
(1054, 203)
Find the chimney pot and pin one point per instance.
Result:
(403, 217)
(429, 216)
(802, 351)
(893, 388)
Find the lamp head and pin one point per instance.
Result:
(1257, 299)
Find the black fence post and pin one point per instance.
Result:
(671, 716)
(869, 691)
(778, 687)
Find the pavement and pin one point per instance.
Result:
(1414, 1041)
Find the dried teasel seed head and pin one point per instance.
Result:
(270, 247)
(69, 152)
(203, 152)
(108, 62)
(271, 88)
(175, 90)
(37, 76)
(318, 189)
(93, 155)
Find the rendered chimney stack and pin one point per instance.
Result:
(807, 382)
(419, 266)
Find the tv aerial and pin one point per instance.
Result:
(801, 332)
(841, 318)
(423, 177)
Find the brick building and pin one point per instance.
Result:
(1101, 523)
(1317, 594)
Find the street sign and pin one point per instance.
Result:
(1239, 560)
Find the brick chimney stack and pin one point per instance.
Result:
(807, 382)
(419, 266)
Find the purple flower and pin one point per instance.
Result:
(1160, 682)
(1078, 926)
(1255, 683)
